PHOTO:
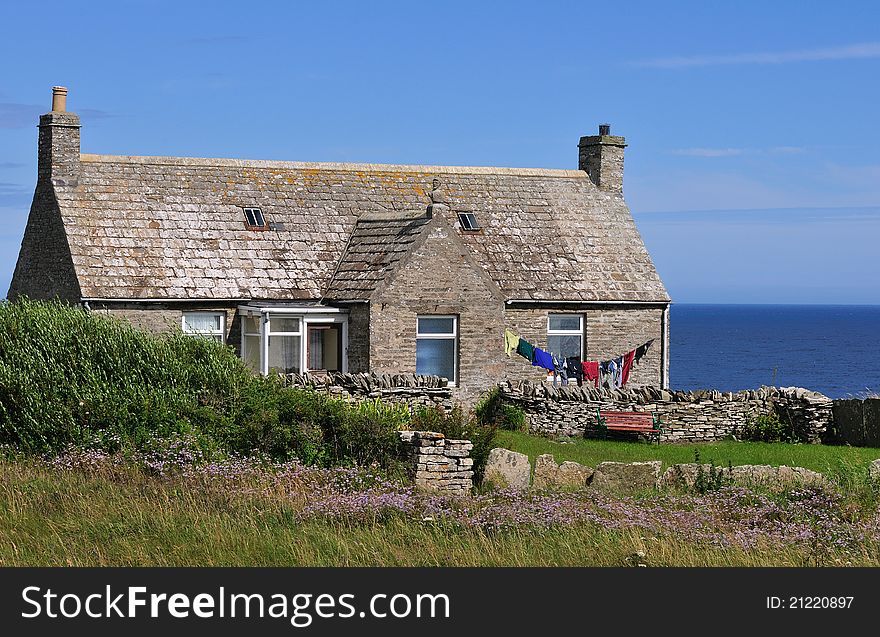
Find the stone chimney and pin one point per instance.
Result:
(601, 156)
(58, 146)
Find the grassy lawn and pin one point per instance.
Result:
(827, 459)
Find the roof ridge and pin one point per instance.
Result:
(262, 163)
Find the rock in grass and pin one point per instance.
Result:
(626, 477)
(874, 470)
(506, 468)
(549, 475)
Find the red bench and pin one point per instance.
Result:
(637, 422)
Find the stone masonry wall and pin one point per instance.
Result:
(440, 278)
(608, 333)
(409, 389)
(160, 318)
(437, 463)
(44, 269)
(700, 416)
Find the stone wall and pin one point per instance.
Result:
(440, 277)
(699, 416)
(44, 269)
(609, 331)
(414, 391)
(437, 463)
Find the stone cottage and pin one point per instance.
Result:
(350, 267)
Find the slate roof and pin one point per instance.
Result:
(379, 241)
(173, 228)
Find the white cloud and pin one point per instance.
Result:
(864, 50)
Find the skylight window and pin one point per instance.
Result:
(468, 221)
(254, 218)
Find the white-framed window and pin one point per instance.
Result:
(251, 341)
(294, 340)
(210, 325)
(437, 346)
(284, 344)
(565, 335)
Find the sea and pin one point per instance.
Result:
(832, 349)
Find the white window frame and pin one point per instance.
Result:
(221, 332)
(268, 332)
(306, 317)
(453, 382)
(578, 332)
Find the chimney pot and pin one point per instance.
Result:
(604, 129)
(59, 99)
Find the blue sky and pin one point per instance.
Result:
(753, 168)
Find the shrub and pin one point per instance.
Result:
(768, 428)
(711, 480)
(74, 378)
(68, 376)
(491, 409)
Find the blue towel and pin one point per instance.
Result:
(543, 359)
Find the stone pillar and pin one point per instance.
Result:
(601, 156)
(438, 464)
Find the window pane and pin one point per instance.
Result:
(436, 357)
(564, 346)
(324, 348)
(201, 322)
(284, 354)
(252, 325)
(283, 324)
(563, 322)
(252, 352)
(431, 325)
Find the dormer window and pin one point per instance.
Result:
(468, 221)
(254, 219)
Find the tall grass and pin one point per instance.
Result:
(124, 518)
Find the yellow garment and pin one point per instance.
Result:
(511, 340)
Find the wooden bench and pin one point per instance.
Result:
(637, 422)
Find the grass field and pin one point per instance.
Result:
(827, 459)
(95, 517)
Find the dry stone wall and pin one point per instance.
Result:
(700, 416)
(409, 389)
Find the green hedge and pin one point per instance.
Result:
(71, 377)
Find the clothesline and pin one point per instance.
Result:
(613, 373)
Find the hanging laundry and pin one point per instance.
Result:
(626, 367)
(605, 374)
(591, 372)
(525, 349)
(611, 376)
(573, 363)
(542, 359)
(641, 350)
(618, 370)
(511, 341)
(559, 370)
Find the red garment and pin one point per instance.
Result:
(627, 365)
(591, 371)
